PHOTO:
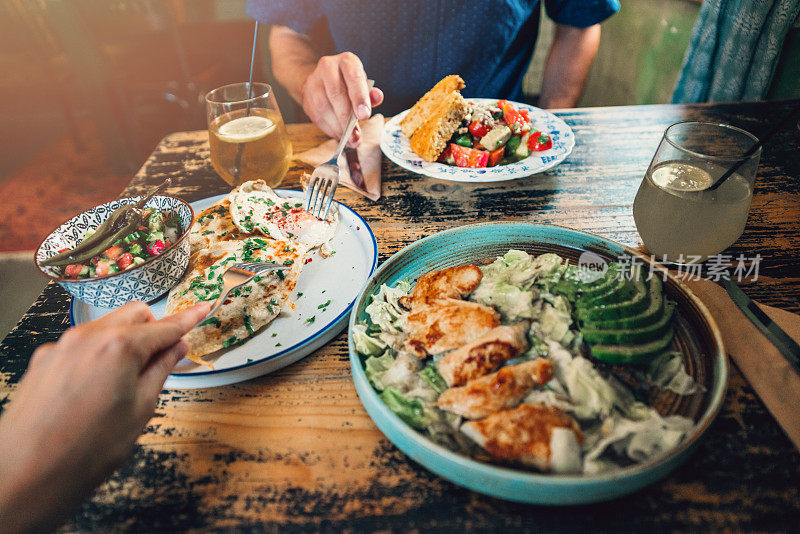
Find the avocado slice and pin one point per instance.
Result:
(647, 317)
(633, 354)
(621, 289)
(572, 285)
(633, 306)
(631, 336)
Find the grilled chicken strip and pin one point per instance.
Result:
(484, 354)
(445, 324)
(523, 434)
(498, 391)
(452, 283)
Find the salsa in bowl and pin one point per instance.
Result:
(141, 264)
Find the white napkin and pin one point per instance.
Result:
(369, 155)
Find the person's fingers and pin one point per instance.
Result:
(130, 313)
(355, 80)
(375, 96)
(151, 338)
(317, 106)
(152, 379)
(335, 90)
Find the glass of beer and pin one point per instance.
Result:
(247, 135)
(680, 217)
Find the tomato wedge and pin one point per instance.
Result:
(539, 142)
(495, 156)
(478, 129)
(469, 157)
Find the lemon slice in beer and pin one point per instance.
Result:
(245, 129)
(682, 177)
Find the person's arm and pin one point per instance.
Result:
(567, 65)
(80, 406)
(326, 87)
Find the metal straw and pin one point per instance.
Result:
(240, 148)
(754, 148)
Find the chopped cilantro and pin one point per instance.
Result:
(274, 334)
(281, 274)
(208, 232)
(324, 305)
(311, 319)
(249, 360)
(299, 295)
(211, 320)
(288, 262)
(230, 341)
(256, 278)
(286, 249)
(247, 324)
(278, 345)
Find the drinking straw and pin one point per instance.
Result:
(240, 148)
(758, 144)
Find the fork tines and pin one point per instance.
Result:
(256, 266)
(319, 195)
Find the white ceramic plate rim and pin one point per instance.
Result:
(492, 470)
(297, 346)
(512, 171)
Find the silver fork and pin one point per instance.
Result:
(325, 178)
(237, 275)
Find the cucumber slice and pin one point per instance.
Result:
(631, 336)
(647, 317)
(633, 354)
(633, 306)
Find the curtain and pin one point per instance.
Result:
(734, 49)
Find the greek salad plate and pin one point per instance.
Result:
(325, 293)
(396, 147)
(697, 345)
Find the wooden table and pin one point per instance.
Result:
(295, 450)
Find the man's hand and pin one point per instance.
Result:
(338, 85)
(80, 406)
(327, 87)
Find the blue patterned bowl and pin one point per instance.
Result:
(146, 282)
(697, 338)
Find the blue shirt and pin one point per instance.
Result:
(406, 47)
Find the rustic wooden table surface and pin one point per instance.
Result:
(296, 451)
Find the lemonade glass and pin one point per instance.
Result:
(247, 135)
(678, 216)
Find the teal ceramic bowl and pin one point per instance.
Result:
(697, 338)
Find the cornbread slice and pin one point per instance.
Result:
(429, 102)
(431, 138)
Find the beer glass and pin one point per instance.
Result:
(247, 136)
(678, 217)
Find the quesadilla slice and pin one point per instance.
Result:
(254, 207)
(214, 225)
(247, 308)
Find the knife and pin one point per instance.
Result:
(351, 155)
(787, 346)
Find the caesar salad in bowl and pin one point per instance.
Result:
(491, 356)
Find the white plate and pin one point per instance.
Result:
(396, 147)
(290, 337)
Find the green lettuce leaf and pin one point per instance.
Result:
(431, 375)
(412, 411)
(365, 343)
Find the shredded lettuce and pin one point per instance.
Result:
(375, 368)
(385, 311)
(365, 343)
(637, 440)
(668, 372)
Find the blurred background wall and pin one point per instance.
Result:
(89, 87)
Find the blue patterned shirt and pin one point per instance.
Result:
(406, 47)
